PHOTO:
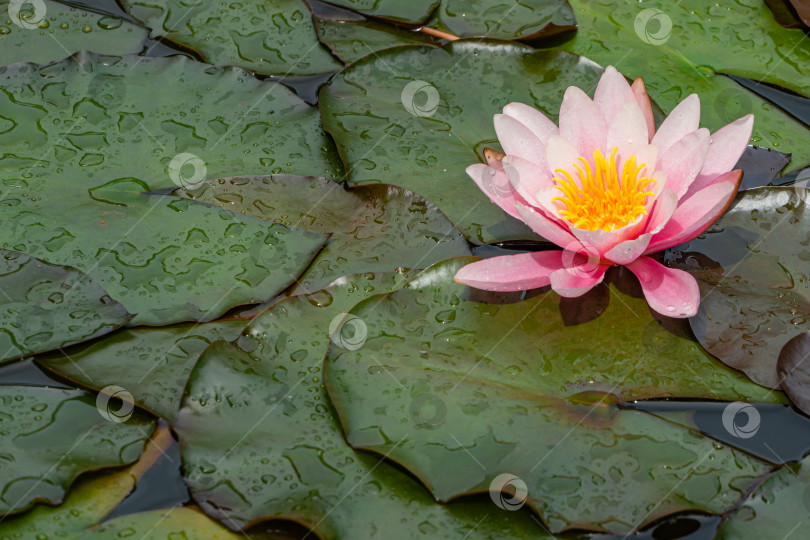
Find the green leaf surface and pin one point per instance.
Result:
(460, 390)
(181, 523)
(82, 138)
(45, 307)
(50, 436)
(752, 269)
(366, 110)
(272, 38)
(235, 403)
(413, 11)
(93, 496)
(681, 48)
(152, 364)
(44, 31)
(374, 228)
(780, 508)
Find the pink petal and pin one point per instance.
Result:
(495, 185)
(668, 291)
(682, 161)
(562, 154)
(684, 119)
(629, 250)
(582, 123)
(526, 177)
(628, 132)
(548, 228)
(697, 213)
(518, 140)
(726, 146)
(612, 93)
(643, 101)
(647, 156)
(600, 241)
(511, 272)
(533, 119)
(579, 275)
(665, 205)
(545, 202)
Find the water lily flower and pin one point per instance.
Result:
(608, 189)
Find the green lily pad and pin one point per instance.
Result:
(181, 523)
(272, 38)
(82, 138)
(779, 508)
(45, 307)
(365, 108)
(49, 436)
(755, 293)
(91, 498)
(794, 370)
(412, 12)
(152, 364)
(44, 31)
(236, 402)
(681, 48)
(460, 392)
(374, 228)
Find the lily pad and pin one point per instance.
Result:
(793, 370)
(151, 364)
(49, 436)
(754, 287)
(82, 140)
(44, 31)
(273, 38)
(366, 109)
(461, 391)
(44, 307)
(184, 522)
(236, 402)
(779, 508)
(374, 228)
(93, 496)
(681, 48)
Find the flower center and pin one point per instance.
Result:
(605, 200)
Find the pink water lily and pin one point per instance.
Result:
(609, 189)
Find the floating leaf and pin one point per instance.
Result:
(461, 391)
(680, 48)
(754, 287)
(780, 508)
(44, 31)
(366, 109)
(760, 166)
(152, 364)
(374, 228)
(93, 496)
(84, 140)
(235, 403)
(185, 523)
(45, 307)
(264, 37)
(413, 12)
(50, 436)
(793, 370)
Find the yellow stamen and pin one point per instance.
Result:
(601, 199)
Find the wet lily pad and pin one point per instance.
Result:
(754, 287)
(151, 364)
(184, 522)
(373, 228)
(273, 38)
(44, 307)
(366, 109)
(44, 31)
(793, 370)
(50, 436)
(779, 508)
(461, 391)
(92, 497)
(83, 138)
(680, 48)
(236, 402)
